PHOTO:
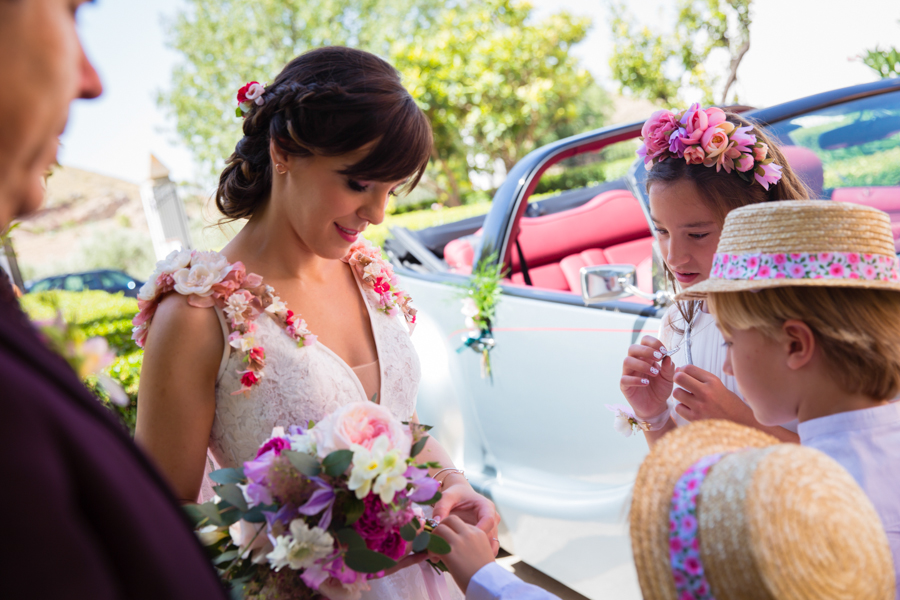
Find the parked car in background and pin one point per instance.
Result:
(536, 437)
(103, 279)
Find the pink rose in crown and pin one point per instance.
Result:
(760, 151)
(714, 142)
(743, 139)
(767, 174)
(694, 155)
(242, 93)
(715, 116)
(360, 423)
(655, 133)
(695, 122)
(744, 163)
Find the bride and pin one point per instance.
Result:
(324, 147)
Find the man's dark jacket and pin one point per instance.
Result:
(83, 513)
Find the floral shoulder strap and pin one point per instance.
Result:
(208, 279)
(378, 275)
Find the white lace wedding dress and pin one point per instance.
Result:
(307, 383)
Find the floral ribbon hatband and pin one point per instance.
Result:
(805, 265)
(684, 545)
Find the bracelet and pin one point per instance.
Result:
(654, 423)
(452, 470)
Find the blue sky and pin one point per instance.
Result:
(798, 47)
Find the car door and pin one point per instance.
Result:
(536, 436)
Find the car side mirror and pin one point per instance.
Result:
(602, 283)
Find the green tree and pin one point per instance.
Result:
(658, 66)
(884, 62)
(493, 83)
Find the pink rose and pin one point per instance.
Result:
(695, 122)
(853, 258)
(744, 163)
(752, 262)
(715, 116)
(360, 423)
(764, 272)
(797, 271)
(655, 133)
(694, 155)
(779, 259)
(714, 142)
(692, 565)
(836, 270)
(760, 151)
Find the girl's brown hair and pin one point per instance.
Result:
(723, 192)
(328, 102)
(858, 330)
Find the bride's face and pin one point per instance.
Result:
(325, 209)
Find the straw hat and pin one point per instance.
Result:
(802, 243)
(774, 521)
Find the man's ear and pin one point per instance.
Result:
(801, 343)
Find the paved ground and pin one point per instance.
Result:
(529, 574)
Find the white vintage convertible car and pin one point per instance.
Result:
(537, 438)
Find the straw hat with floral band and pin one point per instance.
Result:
(722, 511)
(815, 243)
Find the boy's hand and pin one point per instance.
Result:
(470, 549)
(704, 396)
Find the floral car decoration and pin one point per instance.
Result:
(479, 307)
(322, 509)
(207, 279)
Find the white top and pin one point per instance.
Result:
(866, 443)
(707, 351)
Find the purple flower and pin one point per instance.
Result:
(276, 444)
(320, 500)
(424, 487)
(256, 470)
(256, 493)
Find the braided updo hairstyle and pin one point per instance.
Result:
(328, 102)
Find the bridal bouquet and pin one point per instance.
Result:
(322, 509)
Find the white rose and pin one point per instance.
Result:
(622, 424)
(148, 290)
(207, 269)
(175, 261)
(235, 307)
(303, 443)
(277, 307)
(255, 91)
(241, 534)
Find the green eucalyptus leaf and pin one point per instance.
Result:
(409, 532)
(417, 447)
(421, 541)
(351, 538)
(353, 509)
(374, 398)
(306, 464)
(368, 561)
(255, 514)
(228, 476)
(438, 545)
(195, 514)
(337, 462)
(228, 514)
(232, 494)
(211, 511)
(225, 557)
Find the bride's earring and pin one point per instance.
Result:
(280, 169)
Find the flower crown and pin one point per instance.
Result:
(247, 96)
(703, 136)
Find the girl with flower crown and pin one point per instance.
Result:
(298, 315)
(702, 163)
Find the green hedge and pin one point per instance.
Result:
(572, 178)
(99, 314)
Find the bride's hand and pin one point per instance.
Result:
(458, 498)
(647, 375)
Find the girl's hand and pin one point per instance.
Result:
(470, 550)
(459, 499)
(705, 397)
(647, 378)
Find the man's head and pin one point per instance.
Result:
(44, 68)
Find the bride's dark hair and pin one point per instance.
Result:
(328, 102)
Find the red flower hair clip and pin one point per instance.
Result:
(247, 96)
